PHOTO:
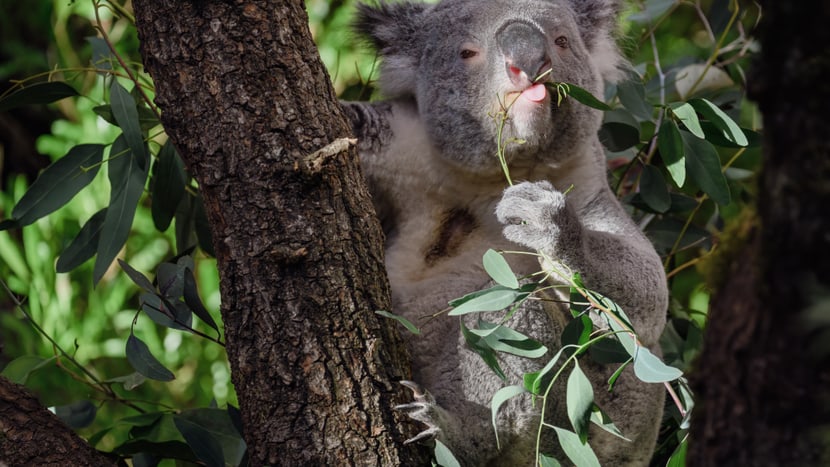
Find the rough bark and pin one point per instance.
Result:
(32, 435)
(248, 104)
(764, 372)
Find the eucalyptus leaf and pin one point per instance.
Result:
(498, 269)
(79, 414)
(578, 452)
(168, 186)
(405, 322)
(547, 461)
(703, 166)
(201, 441)
(583, 96)
(650, 369)
(193, 302)
(493, 299)
(500, 397)
(138, 278)
(84, 245)
(139, 356)
(443, 456)
(687, 115)
(731, 130)
(126, 115)
(580, 401)
(59, 183)
(670, 144)
(38, 93)
(653, 189)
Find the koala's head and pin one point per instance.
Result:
(464, 60)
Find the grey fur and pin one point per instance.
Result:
(428, 153)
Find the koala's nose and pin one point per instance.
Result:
(525, 54)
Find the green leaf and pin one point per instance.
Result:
(38, 93)
(84, 245)
(19, 369)
(59, 183)
(703, 166)
(193, 302)
(78, 414)
(479, 346)
(170, 280)
(405, 322)
(547, 461)
(443, 456)
(503, 339)
(670, 144)
(602, 420)
(582, 96)
(653, 189)
(580, 401)
(686, 113)
(731, 130)
(578, 452)
(138, 278)
(650, 369)
(127, 180)
(493, 299)
(201, 441)
(578, 331)
(498, 269)
(126, 114)
(139, 356)
(678, 457)
(618, 136)
(632, 96)
(221, 426)
(500, 397)
(171, 314)
(608, 350)
(168, 186)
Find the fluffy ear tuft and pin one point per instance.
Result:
(394, 30)
(597, 21)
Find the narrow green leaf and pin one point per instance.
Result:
(127, 180)
(170, 314)
(602, 420)
(687, 115)
(201, 441)
(498, 269)
(38, 93)
(84, 245)
(503, 339)
(580, 401)
(443, 456)
(703, 165)
(653, 189)
(126, 114)
(678, 457)
(139, 356)
(718, 117)
(531, 382)
(168, 186)
(479, 346)
(405, 322)
(138, 278)
(670, 144)
(493, 299)
(59, 183)
(582, 96)
(650, 369)
(500, 397)
(194, 303)
(78, 414)
(579, 453)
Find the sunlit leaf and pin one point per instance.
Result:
(500, 397)
(59, 183)
(38, 93)
(139, 356)
(670, 143)
(718, 117)
(580, 401)
(650, 369)
(493, 299)
(687, 115)
(498, 269)
(547, 461)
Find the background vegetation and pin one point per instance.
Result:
(53, 324)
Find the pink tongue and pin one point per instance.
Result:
(535, 93)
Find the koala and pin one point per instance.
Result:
(428, 152)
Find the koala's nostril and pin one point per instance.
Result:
(524, 49)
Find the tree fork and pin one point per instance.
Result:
(246, 100)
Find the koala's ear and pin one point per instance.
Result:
(597, 21)
(394, 30)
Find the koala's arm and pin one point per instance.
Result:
(599, 241)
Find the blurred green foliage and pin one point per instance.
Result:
(669, 43)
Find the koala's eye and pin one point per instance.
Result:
(468, 53)
(562, 42)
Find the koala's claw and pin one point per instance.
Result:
(423, 409)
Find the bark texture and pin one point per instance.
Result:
(32, 435)
(252, 112)
(764, 372)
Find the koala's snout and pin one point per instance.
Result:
(525, 52)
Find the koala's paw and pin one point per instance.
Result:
(423, 409)
(534, 214)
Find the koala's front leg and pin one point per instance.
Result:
(600, 242)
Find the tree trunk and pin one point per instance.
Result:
(32, 435)
(251, 110)
(764, 372)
